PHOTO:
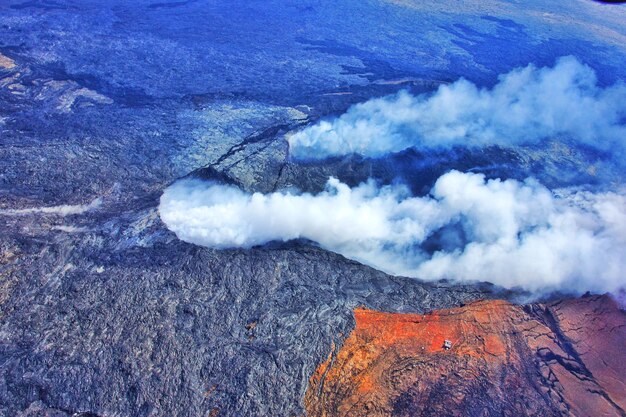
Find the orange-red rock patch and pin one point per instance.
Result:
(566, 358)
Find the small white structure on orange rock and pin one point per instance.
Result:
(447, 345)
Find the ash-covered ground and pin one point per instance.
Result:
(103, 104)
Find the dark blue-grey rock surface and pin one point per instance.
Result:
(103, 312)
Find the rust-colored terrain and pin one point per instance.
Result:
(561, 358)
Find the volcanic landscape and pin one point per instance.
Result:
(312, 208)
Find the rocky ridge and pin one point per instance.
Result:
(563, 358)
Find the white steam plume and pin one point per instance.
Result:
(507, 232)
(525, 106)
(62, 210)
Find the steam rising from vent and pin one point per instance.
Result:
(525, 106)
(507, 232)
(516, 234)
(63, 210)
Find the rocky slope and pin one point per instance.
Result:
(169, 329)
(103, 104)
(555, 359)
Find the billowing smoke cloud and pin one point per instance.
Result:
(525, 106)
(507, 232)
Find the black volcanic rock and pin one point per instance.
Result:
(165, 329)
(103, 104)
